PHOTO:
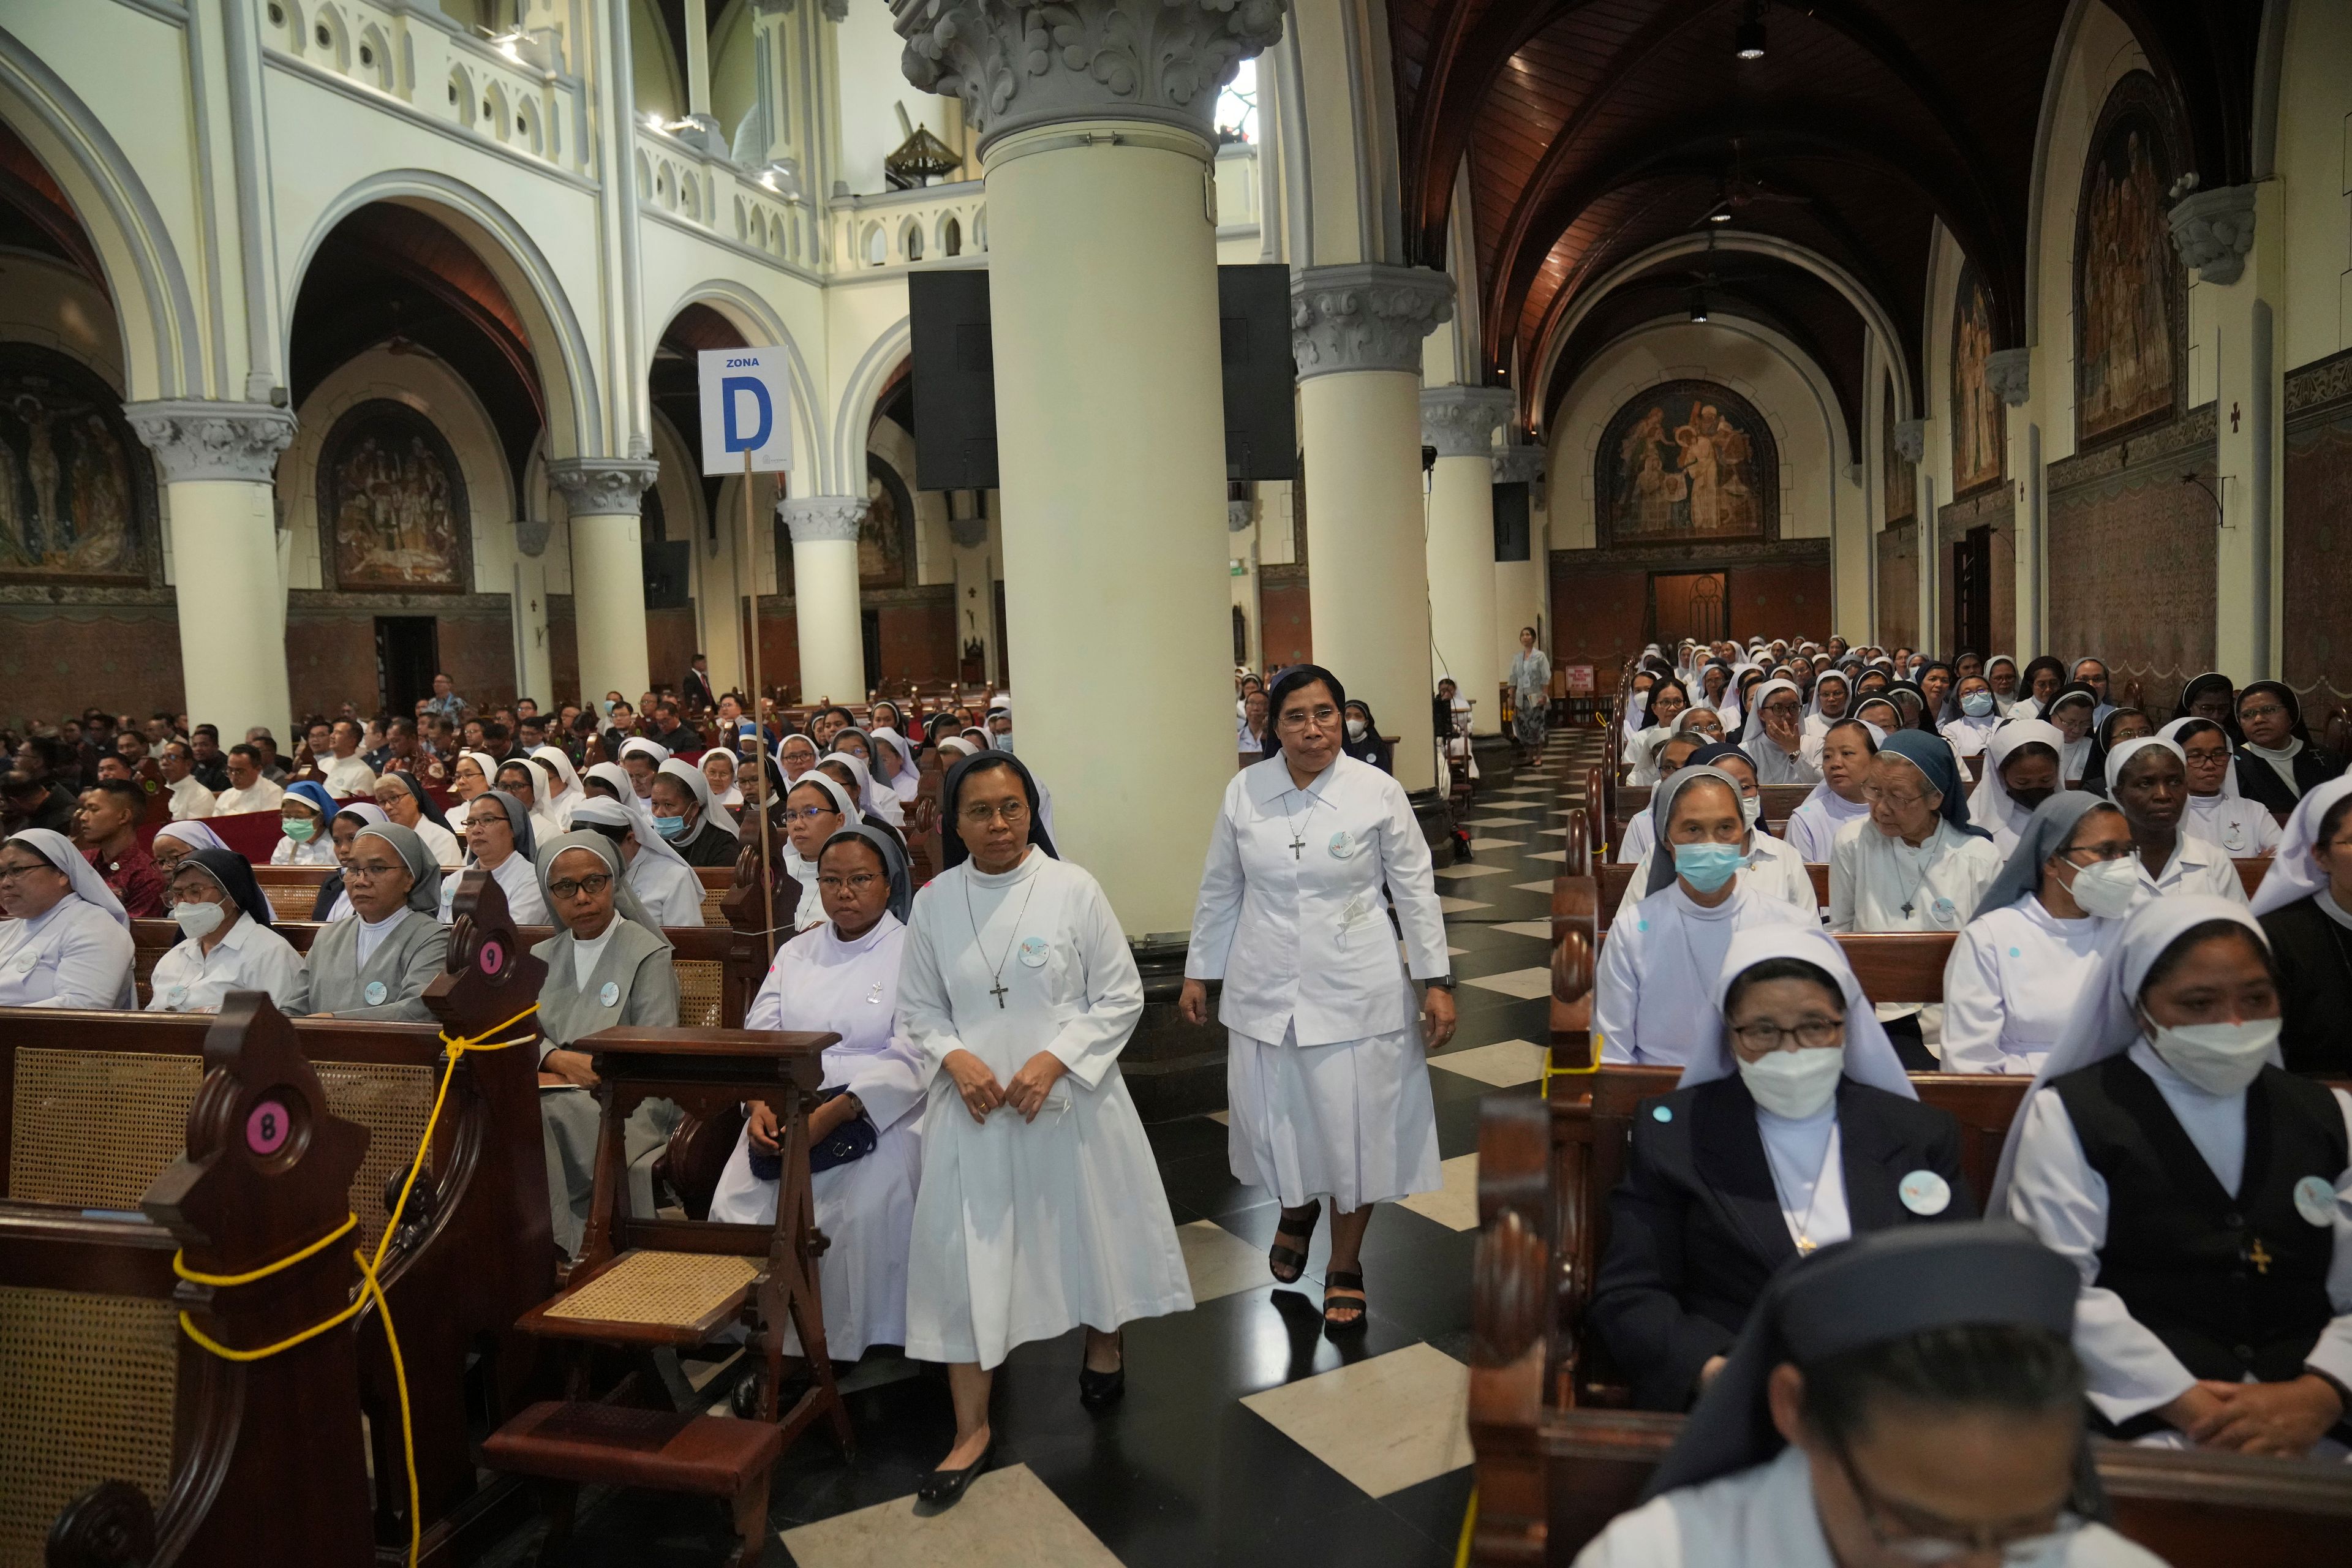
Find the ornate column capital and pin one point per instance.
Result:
(1519, 465)
(531, 534)
(2214, 229)
(1460, 421)
(1911, 439)
(969, 533)
(604, 487)
(815, 518)
(1018, 65)
(198, 439)
(1239, 515)
(1365, 317)
(2009, 373)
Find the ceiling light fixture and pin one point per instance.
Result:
(1748, 39)
(1720, 215)
(1698, 305)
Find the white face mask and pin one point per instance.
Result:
(2220, 1058)
(1752, 808)
(1794, 1084)
(2107, 889)
(1355, 728)
(198, 920)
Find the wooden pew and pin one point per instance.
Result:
(293, 890)
(125, 1441)
(474, 1250)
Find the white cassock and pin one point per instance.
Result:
(263, 796)
(1651, 1003)
(319, 851)
(190, 800)
(1326, 1077)
(1780, 872)
(249, 957)
(348, 776)
(519, 880)
(2242, 828)
(1764, 1517)
(1813, 827)
(77, 955)
(1024, 1230)
(867, 1207)
(1875, 875)
(2012, 981)
(2196, 866)
(1774, 766)
(2055, 1192)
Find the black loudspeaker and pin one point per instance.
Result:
(1254, 344)
(954, 375)
(667, 566)
(1511, 522)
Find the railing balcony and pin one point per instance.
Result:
(928, 226)
(679, 178)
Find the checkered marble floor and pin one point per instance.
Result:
(1246, 1435)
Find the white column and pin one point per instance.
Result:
(825, 595)
(1109, 409)
(219, 462)
(606, 496)
(1460, 422)
(1355, 333)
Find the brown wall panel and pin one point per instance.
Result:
(2317, 497)
(331, 646)
(563, 649)
(779, 649)
(1287, 632)
(1598, 613)
(671, 643)
(57, 660)
(2132, 570)
(919, 643)
(1780, 599)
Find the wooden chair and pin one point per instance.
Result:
(292, 890)
(642, 1282)
(123, 1440)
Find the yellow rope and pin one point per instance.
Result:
(1551, 1072)
(371, 1286)
(1469, 1531)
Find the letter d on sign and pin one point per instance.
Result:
(747, 410)
(731, 392)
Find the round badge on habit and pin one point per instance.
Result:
(1342, 847)
(2314, 1200)
(1925, 1193)
(375, 992)
(610, 996)
(1663, 1113)
(1033, 951)
(1945, 913)
(2234, 838)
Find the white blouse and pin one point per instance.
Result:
(851, 989)
(1877, 882)
(76, 955)
(1813, 827)
(319, 851)
(2012, 982)
(2242, 828)
(1652, 1000)
(250, 957)
(519, 880)
(668, 889)
(2195, 866)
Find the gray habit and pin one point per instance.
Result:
(406, 962)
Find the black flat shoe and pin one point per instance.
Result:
(945, 1489)
(1099, 1390)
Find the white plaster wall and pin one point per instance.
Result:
(868, 49)
(655, 71)
(2315, 166)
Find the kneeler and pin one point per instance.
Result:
(645, 1283)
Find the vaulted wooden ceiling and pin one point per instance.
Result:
(1593, 129)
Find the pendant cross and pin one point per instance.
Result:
(997, 991)
(1297, 843)
(2259, 1258)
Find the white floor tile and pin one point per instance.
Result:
(1499, 821)
(1524, 983)
(1455, 1204)
(1533, 886)
(1485, 843)
(1504, 1064)
(1539, 929)
(1219, 1262)
(1559, 855)
(1008, 1517)
(1464, 873)
(1462, 906)
(1386, 1423)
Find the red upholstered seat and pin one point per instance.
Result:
(711, 1456)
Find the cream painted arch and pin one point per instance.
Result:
(155, 314)
(762, 327)
(1875, 318)
(858, 400)
(575, 420)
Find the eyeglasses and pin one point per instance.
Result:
(1299, 717)
(2097, 852)
(2265, 711)
(1923, 1539)
(593, 885)
(1767, 1035)
(10, 873)
(1782, 709)
(1878, 797)
(858, 882)
(1012, 813)
(808, 813)
(369, 870)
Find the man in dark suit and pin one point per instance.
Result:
(695, 688)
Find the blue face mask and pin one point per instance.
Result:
(1708, 867)
(671, 828)
(1977, 704)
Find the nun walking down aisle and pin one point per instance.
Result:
(1040, 1208)
(1324, 1060)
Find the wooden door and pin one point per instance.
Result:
(1688, 605)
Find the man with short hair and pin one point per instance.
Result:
(445, 698)
(496, 741)
(273, 767)
(696, 686)
(189, 799)
(248, 790)
(376, 743)
(530, 732)
(29, 802)
(111, 767)
(347, 773)
(671, 731)
(106, 828)
(204, 750)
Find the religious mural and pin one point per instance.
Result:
(886, 540)
(77, 489)
(1688, 461)
(1899, 479)
(1980, 435)
(2126, 277)
(393, 503)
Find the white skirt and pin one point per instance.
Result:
(867, 1210)
(1351, 1121)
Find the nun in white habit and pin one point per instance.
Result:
(2219, 812)
(1774, 735)
(1040, 1208)
(815, 809)
(1774, 867)
(1994, 805)
(1326, 1073)
(498, 839)
(2185, 861)
(569, 792)
(1760, 1476)
(1650, 1002)
(873, 799)
(865, 1133)
(2018, 969)
(658, 876)
(1844, 757)
(65, 943)
(2162, 1150)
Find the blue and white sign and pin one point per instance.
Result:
(747, 406)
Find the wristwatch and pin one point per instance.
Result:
(1442, 982)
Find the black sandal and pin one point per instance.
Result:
(1278, 1257)
(1336, 1281)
